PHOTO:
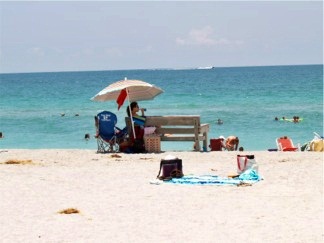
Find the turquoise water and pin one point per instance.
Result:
(246, 98)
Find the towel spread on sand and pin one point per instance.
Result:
(249, 176)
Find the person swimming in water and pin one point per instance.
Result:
(219, 122)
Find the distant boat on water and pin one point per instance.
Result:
(208, 67)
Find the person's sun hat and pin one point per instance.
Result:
(222, 137)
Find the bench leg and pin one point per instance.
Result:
(197, 145)
(205, 142)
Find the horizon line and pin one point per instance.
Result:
(156, 69)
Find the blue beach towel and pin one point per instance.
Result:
(249, 176)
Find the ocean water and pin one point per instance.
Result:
(247, 99)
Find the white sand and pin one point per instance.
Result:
(118, 204)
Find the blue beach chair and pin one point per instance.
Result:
(108, 134)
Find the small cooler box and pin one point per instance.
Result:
(152, 143)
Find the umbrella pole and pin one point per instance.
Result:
(131, 116)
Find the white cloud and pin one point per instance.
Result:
(202, 36)
(36, 51)
(197, 37)
(205, 37)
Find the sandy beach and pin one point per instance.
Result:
(115, 202)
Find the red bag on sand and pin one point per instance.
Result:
(245, 162)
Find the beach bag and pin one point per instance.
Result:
(317, 145)
(245, 162)
(170, 169)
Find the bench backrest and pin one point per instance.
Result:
(171, 124)
(172, 121)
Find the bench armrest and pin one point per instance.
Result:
(204, 128)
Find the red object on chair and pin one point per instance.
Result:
(216, 144)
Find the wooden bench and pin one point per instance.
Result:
(177, 128)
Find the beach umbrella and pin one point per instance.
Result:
(133, 90)
(137, 90)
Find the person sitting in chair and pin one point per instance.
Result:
(137, 119)
(134, 108)
(139, 122)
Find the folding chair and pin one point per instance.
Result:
(108, 134)
(285, 144)
(216, 144)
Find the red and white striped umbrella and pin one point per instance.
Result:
(137, 90)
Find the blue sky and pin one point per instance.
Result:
(105, 35)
